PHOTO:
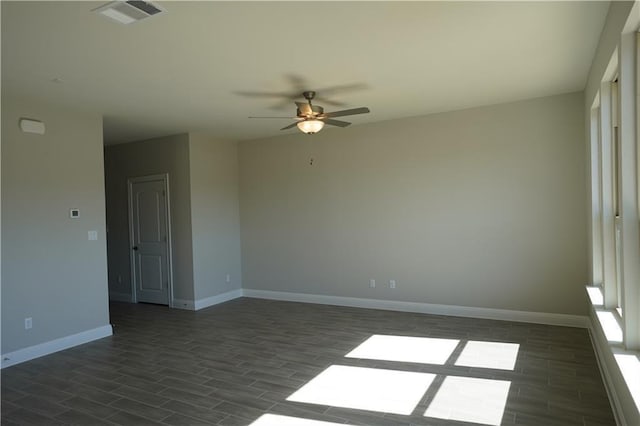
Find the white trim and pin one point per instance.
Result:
(191, 305)
(115, 296)
(217, 299)
(595, 240)
(46, 348)
(607, 208)
(597, 343)
(183, 304)
(169, 238)
(629, 287)
(426, 308)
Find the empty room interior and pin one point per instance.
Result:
(318, 213)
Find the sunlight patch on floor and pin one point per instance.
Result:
(373, 389)
(277, 420)
(496, 355)
(470, 400)
(424, 350)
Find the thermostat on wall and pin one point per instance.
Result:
(74, 213)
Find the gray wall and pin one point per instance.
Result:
(50, 271)
(162, 155)
(215, 218)
(482, 207)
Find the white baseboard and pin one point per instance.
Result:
(219, 298)
(120, 297)
(191, 305)
(426, 308)
(42, 349)
(183, 304)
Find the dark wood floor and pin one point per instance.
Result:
(234, 362)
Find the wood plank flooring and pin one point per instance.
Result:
(232, 363)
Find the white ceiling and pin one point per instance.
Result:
(182, 70)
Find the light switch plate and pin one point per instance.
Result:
(93, 235)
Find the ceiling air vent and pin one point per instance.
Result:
(128, 12)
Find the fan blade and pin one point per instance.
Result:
(262, 94)
(305, 108)
(336, 122)
(290, 126)
(280, 105)
(323, 100)
(354, 111)
(342, 88)
(287, 118)
(283, 104)
(297, 82)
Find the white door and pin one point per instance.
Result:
(150, 238)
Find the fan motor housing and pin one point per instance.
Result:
(317, 110)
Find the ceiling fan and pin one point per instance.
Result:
(299, 84)
(312, 118)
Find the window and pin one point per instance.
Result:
(615, 168)
(615, 207)
(617, 188)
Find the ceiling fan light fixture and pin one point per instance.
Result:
(310, 126)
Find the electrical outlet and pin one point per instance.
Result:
(392, 283)
(28, 323)
(372, 283)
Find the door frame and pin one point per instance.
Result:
(164, 177)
